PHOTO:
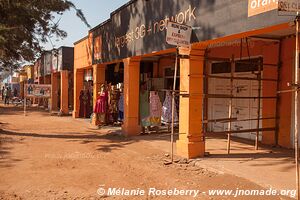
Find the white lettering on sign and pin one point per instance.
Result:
(178, 34)
(182, 17)
(256, 7)
(288, 5)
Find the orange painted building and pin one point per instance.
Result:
(82, 66)
(229, 77)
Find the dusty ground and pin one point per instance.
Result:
(50, 157)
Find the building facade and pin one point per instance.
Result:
(242, 54)
(55, 67)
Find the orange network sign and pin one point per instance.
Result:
(256, 7)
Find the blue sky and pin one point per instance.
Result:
(95, 11)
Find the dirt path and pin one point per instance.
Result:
(49, 157)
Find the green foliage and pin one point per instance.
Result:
(25, 24)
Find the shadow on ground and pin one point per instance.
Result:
(6, 160)
(19, 110)
(113, 139)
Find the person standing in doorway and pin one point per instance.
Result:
(6, 96)
(81, 104)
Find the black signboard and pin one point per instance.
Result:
(139, 27)
(63, 59)
(67, 58)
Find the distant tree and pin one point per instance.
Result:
(25, 24)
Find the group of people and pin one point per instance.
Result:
(6, 93)
(109, 108)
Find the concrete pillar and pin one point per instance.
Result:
(64, 92)
(191, 142)
(131, 96)
(54, 91)
(78, 86)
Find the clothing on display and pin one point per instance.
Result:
(144, 109)
(100, 109)
(81, 105)
(155, 109)
(89, 107)
(114, 96)
(101, 103)
(121, 107)
(85, 105)
(177, 104)
(167, 110)
(108, 105)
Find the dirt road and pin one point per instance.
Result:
(50, 157)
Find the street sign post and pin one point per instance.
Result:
(178, 35)
(292, 7)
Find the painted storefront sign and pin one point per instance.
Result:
(256, 7)
(37, 90)
(139, 27)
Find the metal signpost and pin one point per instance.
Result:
(180, 36)
(292, 7)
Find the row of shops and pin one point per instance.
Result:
(55, 68)
(229, 79)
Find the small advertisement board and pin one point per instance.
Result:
(178, 34)
(37, 91)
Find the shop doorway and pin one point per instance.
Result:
(156, 78)
(86, 94)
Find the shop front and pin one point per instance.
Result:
(83, 78)
(229, 79)
(62, 79)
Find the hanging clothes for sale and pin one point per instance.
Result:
(81, 104)
(177, 104)
(166, 117)
(121, 107)
(89, 107)
(155, 109)
(101, 105)
(114, 96)
(144, 108)
(84, 109)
